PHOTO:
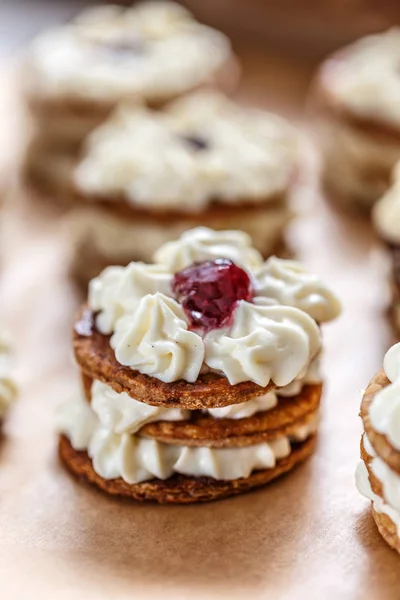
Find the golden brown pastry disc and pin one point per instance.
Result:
(387, 529)
(180, 489)
(205, 430)
(97, 360)
(380, 443)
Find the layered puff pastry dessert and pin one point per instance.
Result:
(8, 389)
(145, 177)
(386, 218)
(200, 372)
(378, 473)
(75, 74)
(356, 96)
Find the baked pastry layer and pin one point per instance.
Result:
(181, 489)
(97, 360)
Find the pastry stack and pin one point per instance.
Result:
(378, 474)
(386, 216)
(200, 372)
(356, 96)
(76, 74)
(145, 177)
(8, 388)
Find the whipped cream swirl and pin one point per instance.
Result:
(265, 343)
(118, 291)
(202, 243)
(155, 340)
(289, 283)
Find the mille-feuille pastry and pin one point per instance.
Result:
(386, 217)
(8, 388)
(200, 372)
(76, 74)
(378, 474)
(145, 177)
(357, 99)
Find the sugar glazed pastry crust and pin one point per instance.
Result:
(354, 97)
(378, 474)
(180, 410)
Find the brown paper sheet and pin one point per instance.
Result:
(308, 536)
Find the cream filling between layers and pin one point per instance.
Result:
(389, 479)
(105, 432)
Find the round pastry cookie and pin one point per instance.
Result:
(145, 177)
(151, 52)
(96, 358)
(378, 474)
(379, 441)
(355, 98)
(200, 371)
(288, 417)
(181, 489)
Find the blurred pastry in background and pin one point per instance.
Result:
(145, 177)
(378, 473)
(200, 372)
(356, 97)
(8, 389)
(386, 217)
(74, 75)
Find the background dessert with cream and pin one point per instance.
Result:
(147, 176)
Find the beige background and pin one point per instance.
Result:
(310, 535)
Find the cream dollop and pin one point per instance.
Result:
(365, 77)
(120, 413)
(117, 291)
(265, 343)
(137, 459)
(384, 411)
(289, 283)
(153, 51)
(202, 244)
(155, 340)
(203, 149)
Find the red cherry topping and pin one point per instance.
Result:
(209, 292)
